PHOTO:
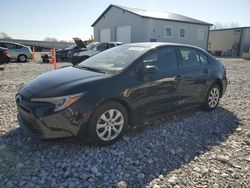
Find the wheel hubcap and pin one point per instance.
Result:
(110, 125)
(21, 58)
(213, 98)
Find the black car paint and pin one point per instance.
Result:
(144, 96)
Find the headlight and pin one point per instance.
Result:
(60, 102)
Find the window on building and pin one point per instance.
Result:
(201, 34)
(182, 32)
(189, 57)
(168, 31)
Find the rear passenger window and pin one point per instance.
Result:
(18, 46)
(189, 58)
(10, 46)
(164, 58)
(203, 59)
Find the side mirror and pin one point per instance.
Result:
(149, 69)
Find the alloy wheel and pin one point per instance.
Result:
(22, 58)
(110, 125)
(213, 97)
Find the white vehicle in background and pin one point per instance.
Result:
(91, 50)
(17, 51)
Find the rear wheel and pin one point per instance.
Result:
(212, 98)
(22, 58)
(108, 123)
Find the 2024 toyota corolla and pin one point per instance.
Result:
(129, 84)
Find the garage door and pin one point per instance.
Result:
(105, 35)
(123, 34)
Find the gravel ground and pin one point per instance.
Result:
(189, 149)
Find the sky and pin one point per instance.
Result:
(65, 19)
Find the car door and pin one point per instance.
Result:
(11, 50)
(157, 93)
(192, 77)
(206, 72)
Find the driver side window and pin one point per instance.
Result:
(164, 59)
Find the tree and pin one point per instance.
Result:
(50, 39)
(219, 25)
(4, 36)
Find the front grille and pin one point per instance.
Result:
(29, 121)
(31, 125)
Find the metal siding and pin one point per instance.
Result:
(115, 18)
(156, 29)
(225, 41)
(144, 29)
(245, 42)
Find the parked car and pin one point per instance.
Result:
(17, 51)
(61, 54)
(4, 57)
(129, 84)
(91, 50)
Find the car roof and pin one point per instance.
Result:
(161, 44)
(12, 43)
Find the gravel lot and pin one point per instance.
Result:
(189, 149)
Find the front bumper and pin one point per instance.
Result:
(66, 123)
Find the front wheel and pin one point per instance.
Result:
(212, 98)
(108, 123)
(22, 58)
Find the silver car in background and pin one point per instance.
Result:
(17, 51)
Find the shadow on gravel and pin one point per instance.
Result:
(137, 159)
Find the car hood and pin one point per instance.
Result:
(61, 82)
(79, 43)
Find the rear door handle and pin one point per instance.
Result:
(178, 78)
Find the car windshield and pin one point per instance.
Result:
(115, 59)
(91, 45)
(71, 47)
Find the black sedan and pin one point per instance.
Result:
(122, 86)
(61, 55)
(4, 57)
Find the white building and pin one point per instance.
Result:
(129, 25)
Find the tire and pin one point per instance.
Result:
(104, 130)
(22, 58)
(212, 98)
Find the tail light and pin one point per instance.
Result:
(5, 52)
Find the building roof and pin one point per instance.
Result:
(232, 28)
(155, 15)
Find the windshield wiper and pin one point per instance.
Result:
(90, 68)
